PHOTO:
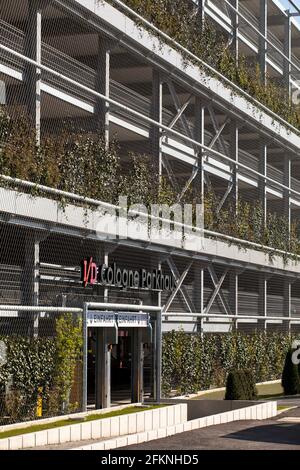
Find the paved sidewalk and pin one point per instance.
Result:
(242, 435)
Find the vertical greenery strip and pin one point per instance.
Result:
(192, 363)
(68, 347)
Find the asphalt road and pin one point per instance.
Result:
(280, 433)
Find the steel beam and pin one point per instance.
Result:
(103, 369)
(198, 170)
(234, 151)
(179, 281)
(262, 182)
(234, 16)
(234, 293)
(178, 107)
(263, 298)
(287, 194)
(137, 363)
(216, 126)
(217, 292)
(287, 49)
(32, 73)
(179, 113)
(198, 292)
(156, 115)
(287, 299)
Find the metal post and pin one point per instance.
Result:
(234, 133)
(137, 386)
(85, 357)
(32, 75)
(156, 114)
(30, 280)
(287, 194)
(263, 45)
(235, 28)
(262, 181)
(199, 137)
(287, 303)
(103, 370)
(198, 294)
(234, 295)
(263, 296)
(102, 86)
(158, 347)
(105, 261)
(201, 12)
(287, 49)
(158, 355)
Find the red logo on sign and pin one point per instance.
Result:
(89, 272)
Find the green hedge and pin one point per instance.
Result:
(40, 367)
(191, 363)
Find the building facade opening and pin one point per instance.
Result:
(121, 362)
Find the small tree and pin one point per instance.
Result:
(234, 386)
(290, 376)
(240, 385)
(250, 384)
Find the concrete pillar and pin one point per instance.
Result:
(262, 44)
(32, 73)
(199, 132)
(103, 369)
(156, 114)
(287, 49)
(262, 183)
(102, 86)
(137, 378)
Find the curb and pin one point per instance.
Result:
(106, 428)
(255, 412)
(220, 389)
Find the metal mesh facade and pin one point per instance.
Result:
(81, 83)
(39, 376)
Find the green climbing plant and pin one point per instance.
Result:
(68, 344)
(180, 21)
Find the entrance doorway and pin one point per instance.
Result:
(120, 358)
(121, 368)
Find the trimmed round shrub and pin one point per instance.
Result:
(240, 385)
(290, 376)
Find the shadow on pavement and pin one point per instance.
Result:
(283, 433)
